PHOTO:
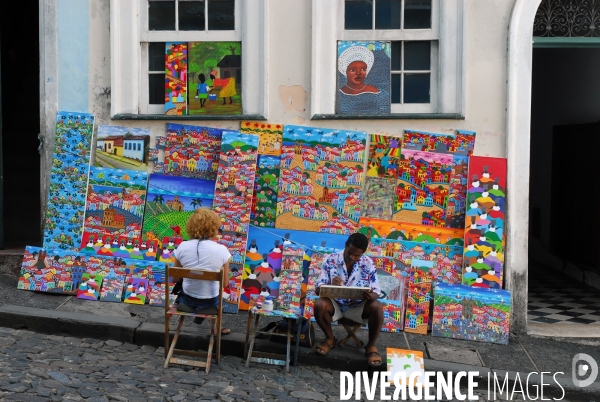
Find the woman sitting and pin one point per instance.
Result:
(199, 296)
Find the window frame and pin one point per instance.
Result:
(129, 38)
(447, 74)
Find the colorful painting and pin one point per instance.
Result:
(320, 180)
(68, 180)
(176, 78)
(379, 200)
(60, 271)
(292, 257)
(393, 315)
(192, 151)
(407, 363)
(270, 136)
(264, 201)
(374, 228)
(418, 299)
(423, 185)
(153, 154)
(156, 295)
(215, 78)
(122, 148)
(113, 212)
(291, 311)
(89, 288)
(171, 201)
(484, 233)
(112, 289)
(457, 197)
(384, 156)
(136, 291)
(465, 143)
(290, 289)
(264, 257)
(161, 142)
(233, 202)
(475, 314)
(363, 79)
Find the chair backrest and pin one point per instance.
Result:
(197, 274)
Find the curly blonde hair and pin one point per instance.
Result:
(204, 223)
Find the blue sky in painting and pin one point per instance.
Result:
(265, 238)
(268, 160)
(235, 136)
(329, 135)
(118, 177)
(488, 296)
(215, 132)
(182, 186)
(105, 131)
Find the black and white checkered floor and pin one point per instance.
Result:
(555, 298)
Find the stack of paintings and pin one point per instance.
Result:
(122, 148)
(484, 233)
(476, 314)
(68, 179)
(232, 202)
(264, 200)
(320, 180)
(113, 213)
(192, 151)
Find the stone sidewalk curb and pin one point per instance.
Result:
(84, 325)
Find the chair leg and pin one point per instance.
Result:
(252, 337)
(174, 341)
(211, 342)
(289, 341)
(218, 346)
(247, 334)
(297, 342)
(167, 334)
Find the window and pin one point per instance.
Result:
(139, 146)
(422, 40)
(148, 35)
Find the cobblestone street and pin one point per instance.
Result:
(37, 367)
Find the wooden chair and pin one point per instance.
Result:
(351, 328)
(215, 320)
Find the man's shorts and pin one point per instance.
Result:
(350, 313)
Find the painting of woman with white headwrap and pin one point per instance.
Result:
(363, 78)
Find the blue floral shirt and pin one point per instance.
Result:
(364, 274)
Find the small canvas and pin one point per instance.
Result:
(384, 156)
(475, 314)
(419, 296)
(393, 315)
(270, 136)
(89, 288)
(264, 200)
(112, 289)
(290, 289)
(363, 78)
(122, 147)
(176, 78)
(380, 198)
(407, 362)
(457, 197)
(136, 291)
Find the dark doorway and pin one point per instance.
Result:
(20, 70)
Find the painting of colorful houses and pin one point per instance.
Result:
(112, 289)
(63, 222)
(122, 148)
(320, 180)
(461, 143)
(233, 203)
(419, 296)
(215, 78)
(484, 232)
(393, 315)
(176, 78)
(379, 228)
(475, 314)
(457, 197)
(192, 151)
(170, 203)
(113, 212)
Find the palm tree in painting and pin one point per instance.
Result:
(196, 202)
(159, 199)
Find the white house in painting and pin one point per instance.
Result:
(489, 66)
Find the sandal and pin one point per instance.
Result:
(325, 346)
(373, 356)
(225, 331)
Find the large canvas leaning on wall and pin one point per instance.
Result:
(68, 179)
(320, 180)
(214, 78)
(363, 78)
(122, 148)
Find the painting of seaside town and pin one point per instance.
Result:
(233, 203)
(113, 212)
(379, 228)
(171, 201)
(461, 143)
(475, 314)
(192, 151)
(320, 180)
(122, 148)
(484, 232)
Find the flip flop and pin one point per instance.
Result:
(372, 356)
(325, 346)
(225, 331)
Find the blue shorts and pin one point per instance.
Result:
(196, 304)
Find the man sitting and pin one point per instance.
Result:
(350, 268)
